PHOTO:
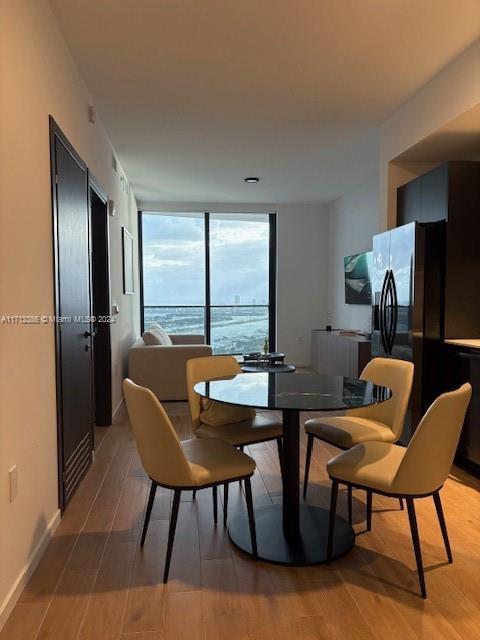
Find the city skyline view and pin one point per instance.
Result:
(174, 277)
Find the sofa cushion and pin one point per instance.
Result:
(161, 331)
(156, 335)
(151, 337)
(216, 414)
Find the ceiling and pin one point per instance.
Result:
(198, 94)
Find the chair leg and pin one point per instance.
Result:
(443, 526)
(151, 498)
(350, 505)
(215, 504)
(280, 454)
(416, 545)
(251, 516)
(400, 500)
(307, 464)
(171, 532)
(242, 449)
(225, 503)
(369, 509)
(331, 524)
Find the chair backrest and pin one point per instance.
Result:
(158, 444)
(397, 375)
(207, 368)
(429, 456)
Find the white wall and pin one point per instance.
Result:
(38, 78)
(302, 266)
(353, 223)
(302, 277)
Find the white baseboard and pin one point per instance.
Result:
(117, 410)
(18, 586)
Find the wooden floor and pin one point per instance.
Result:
(94, 582)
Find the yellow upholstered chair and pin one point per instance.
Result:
(413, 472)
(191, 464)
(260, 428)
(382, 422)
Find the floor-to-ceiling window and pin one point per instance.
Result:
(212, 274)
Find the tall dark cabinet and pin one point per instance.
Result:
(451, 193)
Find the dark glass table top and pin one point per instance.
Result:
(302, 391)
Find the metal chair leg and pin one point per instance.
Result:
(280, 454)
(307, 464)
(225, 503)
(251, 516)
(151, 498)
(350, 505)
(215, 504)
(416, 545)
(400, 500)
(171, 532)
(369, 510)
(443, 526)
(331, 525)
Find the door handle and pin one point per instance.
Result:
(394, 317)
(90, 334)
(383, 312)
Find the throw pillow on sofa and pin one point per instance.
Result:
(155, 334)
(161, 331)
(216, 414)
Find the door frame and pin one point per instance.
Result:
(57, 134)
(101, 353)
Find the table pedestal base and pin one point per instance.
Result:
(310, 547)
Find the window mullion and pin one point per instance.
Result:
(207, 279)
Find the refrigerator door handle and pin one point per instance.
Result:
(382, 311)
(388, 315)
(394, 314)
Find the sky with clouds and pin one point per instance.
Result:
(174, 259)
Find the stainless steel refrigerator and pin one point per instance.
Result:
(407, 300)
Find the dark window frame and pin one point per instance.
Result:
(272, 281)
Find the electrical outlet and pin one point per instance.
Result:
(13, 478)
(300, 339)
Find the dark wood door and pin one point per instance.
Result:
(102, 356)
(72, 279)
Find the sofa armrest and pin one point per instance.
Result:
(187, 338)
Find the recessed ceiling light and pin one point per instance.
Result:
(252, 180)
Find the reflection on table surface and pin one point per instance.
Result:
(306, 391)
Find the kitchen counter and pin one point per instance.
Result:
(472, 343)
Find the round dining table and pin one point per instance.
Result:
(293, 532)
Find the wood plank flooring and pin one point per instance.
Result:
(94, 582)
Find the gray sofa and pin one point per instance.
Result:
(161, 368)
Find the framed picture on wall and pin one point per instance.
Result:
(127, 254)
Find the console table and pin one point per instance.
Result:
(337, 354)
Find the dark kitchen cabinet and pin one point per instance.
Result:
(451, 192)
(434, 195)
(462, 364)
(408, 202)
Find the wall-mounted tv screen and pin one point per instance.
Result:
(357, 269)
